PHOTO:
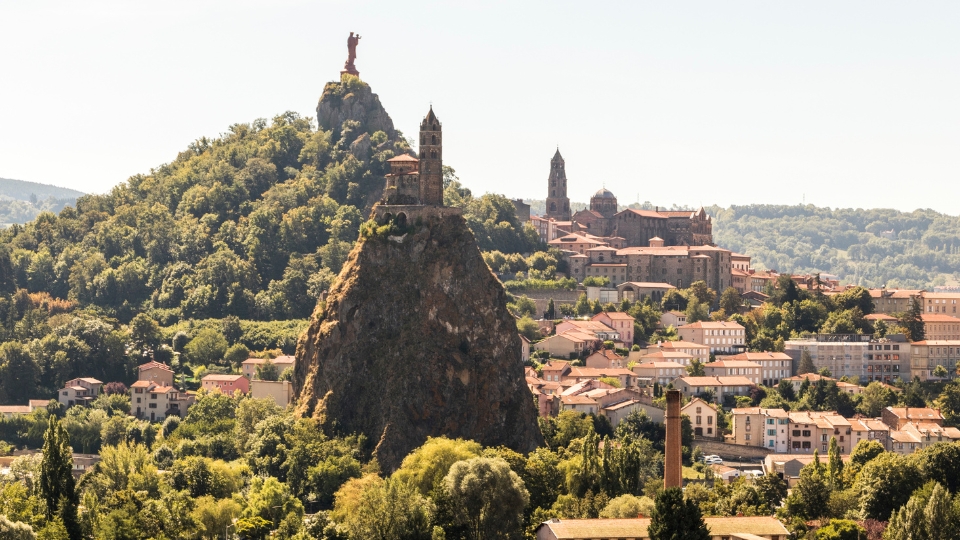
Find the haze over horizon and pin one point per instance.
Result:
(848, 105)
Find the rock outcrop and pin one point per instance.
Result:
(415, 340)
(352, 99)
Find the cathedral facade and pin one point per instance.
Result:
(636, 227)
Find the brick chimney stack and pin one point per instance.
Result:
(672, 466)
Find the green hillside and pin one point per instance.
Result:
(22, 190)
(873, 247)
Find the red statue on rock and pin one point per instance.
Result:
(348, 66)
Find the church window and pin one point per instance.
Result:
(433, 155)
(434, 139)
(423, 139)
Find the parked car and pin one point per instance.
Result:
(712, 460)
(755, 473)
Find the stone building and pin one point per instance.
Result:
(558, 204)
(414, 186)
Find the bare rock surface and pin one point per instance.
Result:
(415, 340)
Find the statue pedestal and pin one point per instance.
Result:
(351, 69)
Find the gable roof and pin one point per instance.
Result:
(153, 364)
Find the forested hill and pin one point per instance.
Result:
(22, 201)
(864, 247)
(253, 224)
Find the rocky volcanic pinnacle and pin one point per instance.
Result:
(415, 340)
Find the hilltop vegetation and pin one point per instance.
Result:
(919, 249)
(251, 226)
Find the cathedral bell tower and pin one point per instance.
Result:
(558, 205)
(431, 160)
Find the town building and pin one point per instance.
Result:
(81, 391)
(661, 355)
(227, 384)
(675, 319)
(249, 366)
(155, 372)
(940, 327)
(696, 350)
(914, 436)
(733, 368)
(721, 528)
(773, 365)
(897, 417)
(626, 378)
(703, 418)
(571, 344)
(843, 355)
(794, 432)
(662, 373)
(720, 386)
(620, 322)
(279, 391)
(926, 355)
(636, 291)
(605, 359)
(941, 302)
(150, 400)
(890, 301)
(722, 337)
(766, 428)
(595, 327)
(788, 466)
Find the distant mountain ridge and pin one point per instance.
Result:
(22, 201)
(21, 190)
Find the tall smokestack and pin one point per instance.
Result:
(672, 466)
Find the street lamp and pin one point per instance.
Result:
(233, 523)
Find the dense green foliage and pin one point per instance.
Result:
(922, 250)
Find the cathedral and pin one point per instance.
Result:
(636, 227)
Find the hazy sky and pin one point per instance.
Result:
(853, 104)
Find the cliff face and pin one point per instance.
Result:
(415, 340)
(352, 99)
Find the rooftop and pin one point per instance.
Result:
(571, 529)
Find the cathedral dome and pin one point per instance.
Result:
(604, 193)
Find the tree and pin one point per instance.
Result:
(15, 530)
(19, 373)
(490, 497)
(207, 347)
(812, 493)
(695, 369)
(785, 389)
(386, 510)
(806, 363)
(236, 354)
(772, 489)
(145, 332)
(863, 453)
(528, 328)
(627, 506)
(57, 486)
(214, 516)
(674, 518)
(267, 371)
(885, 484)
(834, 466)
(912, 320)
(841, 529)
(939, 371)
(551, 312)
(703, 294)
(730, 301)
(874, 398)
(427, 466)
